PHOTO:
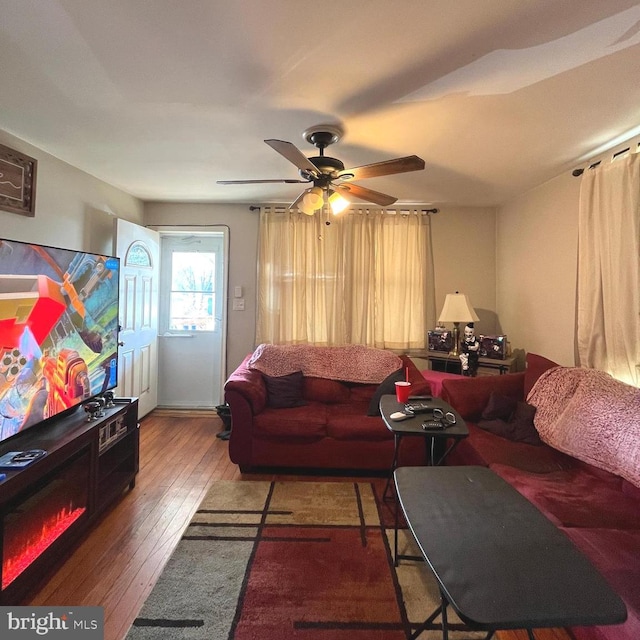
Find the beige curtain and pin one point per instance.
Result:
(366, 278)
(609, 269)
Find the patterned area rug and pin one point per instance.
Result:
(290, 561)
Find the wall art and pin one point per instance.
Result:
(17, 182)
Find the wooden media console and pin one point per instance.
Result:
(46, 506)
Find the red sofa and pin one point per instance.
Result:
(331, 430)
(598, 509)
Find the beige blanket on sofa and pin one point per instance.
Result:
(352, 363)
(591, 416)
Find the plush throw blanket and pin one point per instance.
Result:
(591, 416)
(351, 363)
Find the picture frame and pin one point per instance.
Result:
(17, 182)
(440, 340)
(494, 347)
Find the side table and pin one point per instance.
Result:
(413, 427)
(449, 437)
(441, 361)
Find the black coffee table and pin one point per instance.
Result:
(498, 561)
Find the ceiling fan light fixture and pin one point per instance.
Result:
(304, 208)
(313, 199)
(305, 203)
(337, 203)
(322, 171)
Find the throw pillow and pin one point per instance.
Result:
(284, 392)
(518, 427)
(499, 407)
(498, 427)
(522, 425)
(388, 385)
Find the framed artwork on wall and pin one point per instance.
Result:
(17, 182)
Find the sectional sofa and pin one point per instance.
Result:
(573, 450)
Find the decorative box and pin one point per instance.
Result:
(440, 340)
(493, 347)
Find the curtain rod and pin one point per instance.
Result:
(434, 210)
(578, 172)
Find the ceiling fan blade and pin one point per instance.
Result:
(386, 168)
(294, 204)
(294, 155)
(354, 191)
(262, 181)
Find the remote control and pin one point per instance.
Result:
(418, 406)
(27, 456)
(432, 424)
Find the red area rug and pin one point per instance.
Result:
(331, 583)
(290, 561)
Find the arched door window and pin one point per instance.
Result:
(138, 256)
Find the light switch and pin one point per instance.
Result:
(237, 292)
(238, 304)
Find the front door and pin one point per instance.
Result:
(139, 253)
(192, 318)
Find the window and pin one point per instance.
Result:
(366, 278)
(192, 294)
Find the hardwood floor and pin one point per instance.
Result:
(119, 560)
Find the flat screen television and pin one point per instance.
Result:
(58, 331)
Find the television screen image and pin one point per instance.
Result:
(58, 331)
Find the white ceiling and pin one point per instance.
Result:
(161, 98)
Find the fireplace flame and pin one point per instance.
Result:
(34, 545)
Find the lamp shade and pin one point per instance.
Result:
(306, 209)
(457, 308)
(313, 198)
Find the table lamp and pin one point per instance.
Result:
(457, 309)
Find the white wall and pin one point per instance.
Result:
(464, 252)
(73, 209)
(243, 251)
(76, 211)
(536, 268)
(464, 255)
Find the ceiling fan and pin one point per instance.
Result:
(331, 181)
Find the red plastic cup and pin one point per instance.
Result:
(403, 391)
